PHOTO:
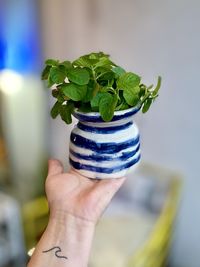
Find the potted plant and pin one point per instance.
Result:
(104, 98)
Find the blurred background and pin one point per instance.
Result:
(147, 37)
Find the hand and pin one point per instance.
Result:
(76, 203)
(74, 194)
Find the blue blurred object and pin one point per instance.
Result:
(2, 40)
(19, 36)
(2, 52)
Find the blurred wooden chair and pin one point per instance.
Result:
(35, 218)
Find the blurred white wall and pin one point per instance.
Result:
(23, 109)
(25, 127)
(151, 38)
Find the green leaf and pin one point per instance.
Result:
(131, 95)
(105, 76)
(96, 89)
(127, 81)
(91, 87)
(74, 91)
(55, 109)
(79, 76)
(95, 101)
(50, 81)
(123, 105)
(147, 105)
(90, 59)
(143, 90)
(59, 95)
(118, 71)
(103, 89)
(145, 97)
(58, 74)
(67, 64)
(97, 55)
(45, 72)
(155, 91)
(107, 106)
(66, 112)
(52, 62)
(104, 61)
(84, 61)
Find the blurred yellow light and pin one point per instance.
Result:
(10, 82)
(30, 252)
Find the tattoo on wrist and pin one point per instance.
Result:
(57, 250)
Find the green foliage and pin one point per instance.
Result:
(74, 91)
(58, 74)
(131, 95)
(107, 106)
(128, 81)
(56, 109)
(51, 62)
(94, 83)
(78, 75)
(66, 112)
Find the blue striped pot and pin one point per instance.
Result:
(103, 150)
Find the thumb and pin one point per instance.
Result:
(54, 167)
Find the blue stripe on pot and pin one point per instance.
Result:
(95, 117)
(103, 130)
(108, 148)
(100, 157)
(79, 166)
(105, 149)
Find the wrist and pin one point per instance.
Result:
(73, 234)
(61, 217)
(68, 233)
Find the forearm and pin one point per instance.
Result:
(66, 242)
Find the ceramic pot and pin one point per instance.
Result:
(103, 150)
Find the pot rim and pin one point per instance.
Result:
(117, 112)
(96, 117)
